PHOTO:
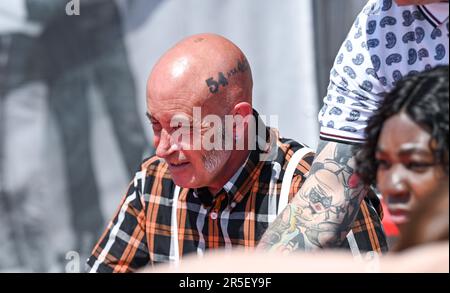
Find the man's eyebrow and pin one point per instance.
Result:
(150, 117)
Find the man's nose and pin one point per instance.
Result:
(165, 146)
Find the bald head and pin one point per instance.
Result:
(209, 73)
(201, 69)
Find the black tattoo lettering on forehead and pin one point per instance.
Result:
(242, 66)
(214, 85)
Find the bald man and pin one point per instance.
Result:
(219, 177)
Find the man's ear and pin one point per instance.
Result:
(243, 109)
(242, 112)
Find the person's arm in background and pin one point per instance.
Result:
(322, 212)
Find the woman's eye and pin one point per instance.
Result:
(383, 164)
(418, 166)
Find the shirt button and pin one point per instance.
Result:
(233, 205)
(213, 215)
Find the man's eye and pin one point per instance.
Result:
(183, 127)
(156, 126)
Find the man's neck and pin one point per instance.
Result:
(234, 163)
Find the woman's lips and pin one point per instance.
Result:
(399, 216)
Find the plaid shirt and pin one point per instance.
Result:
(159, 222)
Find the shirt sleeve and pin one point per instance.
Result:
(300, 174)
(123, 246)
(354, 90)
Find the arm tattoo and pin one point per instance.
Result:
(322, 212)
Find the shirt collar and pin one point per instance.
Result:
(436, 13)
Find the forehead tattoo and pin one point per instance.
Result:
(214, 85)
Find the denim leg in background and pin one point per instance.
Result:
(23, 201)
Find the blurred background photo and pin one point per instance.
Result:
(72, 102)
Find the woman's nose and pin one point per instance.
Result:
(394, 185)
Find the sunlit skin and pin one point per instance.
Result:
(416, 2)
(176, 85)
(407, 172)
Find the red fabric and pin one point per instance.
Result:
(389, 227)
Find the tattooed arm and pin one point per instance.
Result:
(321, 213)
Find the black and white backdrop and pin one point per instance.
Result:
(72, 102)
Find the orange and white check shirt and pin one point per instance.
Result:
(160, 222)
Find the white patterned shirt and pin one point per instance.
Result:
(385, 43)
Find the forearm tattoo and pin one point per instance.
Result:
(321, 213)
